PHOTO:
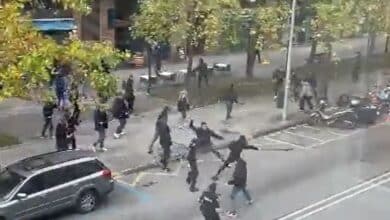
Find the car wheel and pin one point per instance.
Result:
(87, 201)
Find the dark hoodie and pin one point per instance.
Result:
(48, 109)
(119, 108)
(240, 174)
(204, 135)
(237, 146)
(209, 199)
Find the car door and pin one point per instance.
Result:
(59, 190)
(34, 204)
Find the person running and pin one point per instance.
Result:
(183, 104)
(236, 147)
(209, 203)
(120, 111)
(239, 182)
(47, 111)
(204, 135)
(61, 135)
(230, 98)
(162, 117)
(193, 173)
(101, 125)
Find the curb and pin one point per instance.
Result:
(257, 134)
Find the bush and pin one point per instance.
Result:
(8, 140)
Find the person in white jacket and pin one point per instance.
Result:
(306, 95)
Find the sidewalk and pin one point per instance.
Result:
(129, 153)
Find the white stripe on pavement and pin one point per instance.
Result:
(349, 190)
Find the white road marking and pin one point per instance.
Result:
(284, 142)
(342, 199)
(330, 198)
(335, 139)
(304, 136)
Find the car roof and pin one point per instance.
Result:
(32, 164)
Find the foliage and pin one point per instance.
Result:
(27, 57)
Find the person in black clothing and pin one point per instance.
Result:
(101, 125)
(73, 121)
(357, 67)
(230, 98)
(235, 148)
(193, 173)
(164, 133)
(258, 55)
(209, 203)
(204, 135)
(277, 79)
(47, 111)
(120, 111)
(202, 70)
(61, 135)
(162, 118)
(129, 92)
(158, 59)
(239, 182)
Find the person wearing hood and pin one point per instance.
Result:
(120, 111)
(162, 118)
(204, 135)
(236, 147)
(183, 104)
(209, 203)
(101, 124)
(129, 92)
(239, 181)
(47, 111)
(193, 173)
(164, 133)
(230, 98)
(306, 95)
(61, 135)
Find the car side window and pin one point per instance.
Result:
(84, 169)
(56, 177)
(34, 185)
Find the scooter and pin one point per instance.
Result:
(342, 118)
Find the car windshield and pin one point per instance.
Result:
(8, 182)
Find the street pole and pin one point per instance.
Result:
(288, 71)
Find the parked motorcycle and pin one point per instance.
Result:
(341, 118)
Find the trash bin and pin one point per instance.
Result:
(280, 99)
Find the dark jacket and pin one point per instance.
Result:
(61, 136)
(237, 146)
(48, 109)
(231, 96)
(202, 69)
(101, 119)
(239, 174)
(204, 136)
(183, 105)
(208, 202)
(119, 108)
(191, 156)
(164, 133)
(278, 76)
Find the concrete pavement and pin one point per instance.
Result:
(343, 178)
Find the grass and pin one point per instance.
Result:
(8, 140)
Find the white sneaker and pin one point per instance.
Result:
(103, 149)
(250, 202)
(122, 133)
(232, 214)
(93, 149)
(116, 136)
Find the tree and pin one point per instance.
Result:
(332, 19)
(27, 57)
(265, 22)
(183, 22)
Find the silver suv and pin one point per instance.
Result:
(47, 183)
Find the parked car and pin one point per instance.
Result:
(47, 183)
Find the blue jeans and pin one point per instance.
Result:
(237, 189)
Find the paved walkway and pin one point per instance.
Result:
(256, 115)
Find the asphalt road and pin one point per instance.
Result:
(327, 174)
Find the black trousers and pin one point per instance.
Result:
(48, 125)
(166, 155)
(229, 160)
(210, 215)
(229, 109)
(183, 114)
(72, 141)
(203, 77)
(192, 174)
(306, 99)
(122, 124)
